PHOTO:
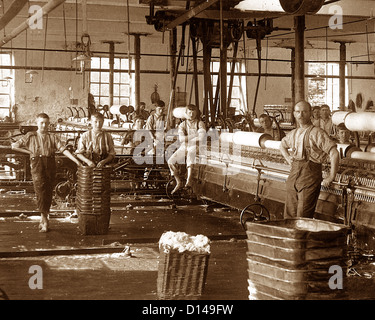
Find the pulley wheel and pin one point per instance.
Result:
(301, 7)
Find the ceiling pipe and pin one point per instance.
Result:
(12, 11)
(49, 7)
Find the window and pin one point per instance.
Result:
(323, 90)
(123, 83)
(6, 84)
(238, 98)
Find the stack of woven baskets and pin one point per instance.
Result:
(94, 199)
(296, 259)
(183, 265)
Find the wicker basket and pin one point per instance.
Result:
(181, 276)
(290, 259)
(94, 200)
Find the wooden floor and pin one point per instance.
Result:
(92, 267)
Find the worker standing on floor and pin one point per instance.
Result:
(42, 146)
(310, 146)
(96, 147)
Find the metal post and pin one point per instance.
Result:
(173, 76)
(299, 81)
(293, 70)
(195, 75)
(137, 62)
(111, 70)
(207, 81)
(223, 67)
(342, 74)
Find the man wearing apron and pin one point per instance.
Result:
(310, 146)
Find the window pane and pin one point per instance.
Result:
(105, 63)
(125, 77)
(235, 92)
(125, 90)
(4, 101)
(116, 101)
(235, 103)
(97, 99)
(104, 101)
(214, 80)
(116, 77)
(95, 63)
(236, 81)
(5, 59)
(124, 64)
(94, 89)
(215, 66)
(117, 64)
(124, 101)
(116, 90)
(104, 77)
(104, 90)
(95, 76)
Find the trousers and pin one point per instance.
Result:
(302, 189)
(43, 171)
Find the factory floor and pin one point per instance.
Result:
(81, 267)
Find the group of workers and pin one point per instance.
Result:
(96, 149)
(305, 148)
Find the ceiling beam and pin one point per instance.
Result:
(45, 10)
(12, 11)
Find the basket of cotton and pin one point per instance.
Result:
(183, 264)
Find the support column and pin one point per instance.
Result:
(173, 76)
(137, 66)
(111, 68)
(111, 71)
(223, 67)
(293, 71)
(223, 82)
(299, 81)
(342, 74)
(195, 76)
(207, 105)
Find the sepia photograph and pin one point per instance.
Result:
(187, 158)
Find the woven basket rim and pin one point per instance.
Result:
(175, 251)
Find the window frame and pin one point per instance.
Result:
(123, 95)
(330, 82)
(9, 83)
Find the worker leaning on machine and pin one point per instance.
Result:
(96, 147)
(42, 146)
(310, 147)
